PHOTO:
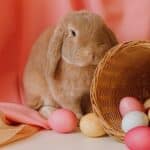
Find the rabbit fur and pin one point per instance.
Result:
(62, 61)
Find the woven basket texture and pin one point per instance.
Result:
(124, 71)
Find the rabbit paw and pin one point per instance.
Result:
(46, 111)
(36, 103)
(79, 115)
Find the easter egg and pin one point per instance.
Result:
(134, 119)
(128, 104)
(63, 121)
(148, 114)
(147, 104)
(91, 126)
(138, 138)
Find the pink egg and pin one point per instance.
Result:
(128, 104)
(138, 138)
(63, 121)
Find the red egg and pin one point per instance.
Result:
(128, 104)
(138, 138)
(63, 121)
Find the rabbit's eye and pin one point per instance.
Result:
(73, 33)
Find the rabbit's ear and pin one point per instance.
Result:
(54, 50)
(112, 38)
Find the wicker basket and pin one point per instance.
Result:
(124, 71)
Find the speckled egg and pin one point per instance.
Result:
(91, 126)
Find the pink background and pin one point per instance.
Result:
(21, 22)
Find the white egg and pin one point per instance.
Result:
(134, 119)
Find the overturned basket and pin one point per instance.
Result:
(124, 71)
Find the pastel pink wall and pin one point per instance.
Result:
(21, 22)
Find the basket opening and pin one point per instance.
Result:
(127, 73)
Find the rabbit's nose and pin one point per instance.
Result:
(93, 56)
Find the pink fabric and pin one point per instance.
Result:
(22, 21)
(23, 114)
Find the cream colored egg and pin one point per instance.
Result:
(147, 104)
(148, 114)
(91, 126)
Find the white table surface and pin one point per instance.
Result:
(50, 140)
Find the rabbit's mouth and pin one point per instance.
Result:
(81, 62)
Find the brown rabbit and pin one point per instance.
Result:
(62, 62)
